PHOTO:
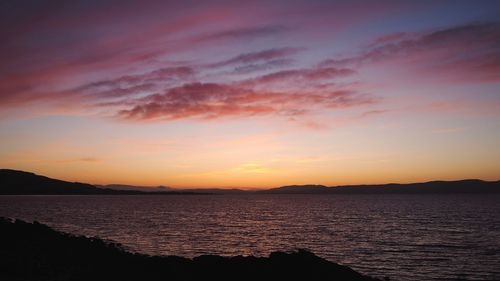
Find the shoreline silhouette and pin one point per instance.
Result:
(34, 251)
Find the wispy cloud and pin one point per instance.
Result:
(89, 159)
(260, 56)
(245, 33)
(212, 101)
(301, 75)
(108, 68)
(467, 52)
(268, 65)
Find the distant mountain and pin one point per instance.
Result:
(137, 188)
(298, 189)
(19, 182)
(162, 188)
(217, 190)
(14, 182)
(440, 187)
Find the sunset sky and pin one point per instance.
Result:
(250, 93)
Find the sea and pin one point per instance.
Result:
(403, 237)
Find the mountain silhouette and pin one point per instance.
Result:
(19, 182)
(33, 251)
(136, 188)
(14, 182)
(439, 187)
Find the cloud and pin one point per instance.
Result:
(470, 52)
(101, 93)
(168, 93)
(119, 92)
(130, 85)
(107, 91)
(212, 101)
(248, 68)
(158, 75)
(305, 74)
(48, 47)
(253, 57)
(89, 159)
(374, 112)
(245, 33)
(58, 57)
(184, 101)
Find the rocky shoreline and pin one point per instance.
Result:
(34, 251)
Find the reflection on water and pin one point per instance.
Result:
(406, 237)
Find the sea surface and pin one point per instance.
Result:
(404, 237)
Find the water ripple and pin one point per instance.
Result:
(405, 237)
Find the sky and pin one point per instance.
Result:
(250, 93)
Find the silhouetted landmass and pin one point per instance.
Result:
(440, 187)
(298, 189)
(33, 251)
(218, 190)
(127, 187)
(166, 188)
(14, 182)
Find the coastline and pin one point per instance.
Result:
(34, 251)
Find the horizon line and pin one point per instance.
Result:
(262, 188)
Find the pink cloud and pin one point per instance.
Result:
(165, 74)
(211, 100)
(468, 52)
(254, 67)
(245, 33)
(46, 46)
(265, 55)
(306, 74)
(50, 52)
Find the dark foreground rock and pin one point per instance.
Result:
(33, 251)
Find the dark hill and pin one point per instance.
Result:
(218, 190)
(438, 187)
(298, 189)
(14, 182)
(136, 188)
(18, 182)
(33, 251)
